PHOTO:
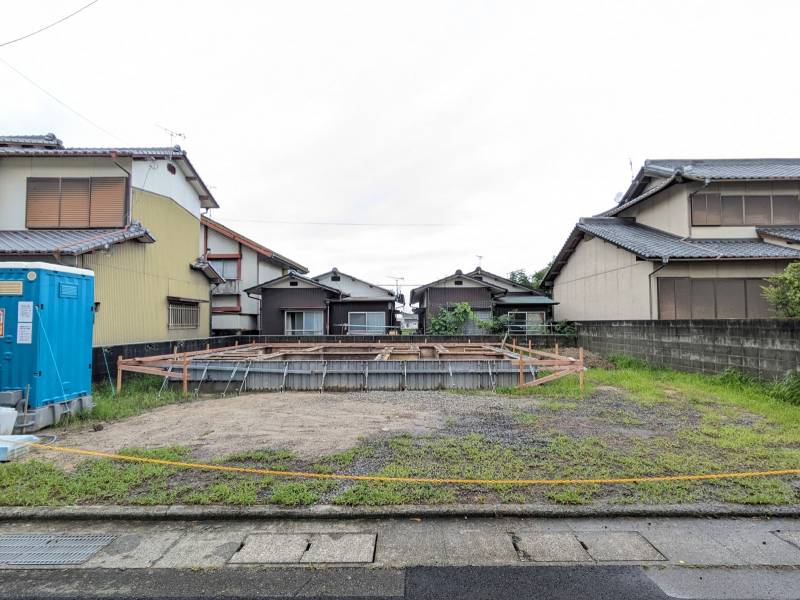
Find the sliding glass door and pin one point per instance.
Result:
(304, 322)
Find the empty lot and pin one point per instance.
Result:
(630, 422)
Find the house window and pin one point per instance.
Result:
(524, 322)
(724, 298)
(184, 315)
(752, 209)
(366, 323)
(458, 282)
(304, 322)
(72, 202)
(227, 267)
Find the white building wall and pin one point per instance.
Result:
(153, 176)
(14, 173)
(601, 281)
(356, 288)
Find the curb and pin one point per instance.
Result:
(192, 513)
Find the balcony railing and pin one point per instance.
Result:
(232, 286)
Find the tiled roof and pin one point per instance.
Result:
(68, 241)
(650, 243)
(737, 168)
(524, 300)
(157, 152)
(40, 140)
(786, 232)
(253, 245)
(47, 146)
(206, 269)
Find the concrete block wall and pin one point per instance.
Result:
(764, 348)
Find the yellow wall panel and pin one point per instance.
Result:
(133, 280)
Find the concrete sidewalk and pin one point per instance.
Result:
(685, 557)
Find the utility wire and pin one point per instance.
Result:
(62, 103)
(46, 27)
(347, 224)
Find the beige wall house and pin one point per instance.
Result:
(689, 239)
(131, 215)
(243, 263)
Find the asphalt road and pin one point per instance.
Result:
(421, 583)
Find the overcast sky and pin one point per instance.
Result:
(453, 129)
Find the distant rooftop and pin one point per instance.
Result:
(726, 168)
(43, 141)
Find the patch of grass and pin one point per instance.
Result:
(39, 483)
(266, 458)
(299, 493)
(526, 418)
(138, 395)
(572, 494)
(240, 491)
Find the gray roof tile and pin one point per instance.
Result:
(650, 243)
(787, 232)
(736, 168)
(68, 241)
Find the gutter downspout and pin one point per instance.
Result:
(664, 263)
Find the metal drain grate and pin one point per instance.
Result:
(50, 549)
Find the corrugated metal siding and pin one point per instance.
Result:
(133, 280)
(339, 312)
(343, 375)
(275, 299)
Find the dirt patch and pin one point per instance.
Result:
(310, 424)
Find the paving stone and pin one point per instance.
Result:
(202, 549)
(793, 537)
(618, 546)
(134, 550)
(691, 547)
(754, 547)
(551, 547)
(478, 547)
(269, 548)
(340, 548)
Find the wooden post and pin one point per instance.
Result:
(175, 352)
(119, 374)
(521, 371)
(530, 347)
(208, 346)
(556, 350)
(580, 373)
(185, 375)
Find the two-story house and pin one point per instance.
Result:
(243, 263)
(488, 295)
(332, 303)
(689, 239)
(131, 215)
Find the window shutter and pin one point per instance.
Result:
(42, 202)
(107, 202)
(74, 203)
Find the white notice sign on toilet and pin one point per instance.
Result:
(24, 333)
(25, 312)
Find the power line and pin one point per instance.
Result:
(347, 224)
(46, 27)
(62, 103)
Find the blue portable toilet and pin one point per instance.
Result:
(46, 322)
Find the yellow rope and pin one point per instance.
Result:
(432, 480)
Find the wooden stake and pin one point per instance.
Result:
(175, 352)
(521, 372)
(556, 350)
(185, 375)
(580, 373)
(208, 346)
(119, 374)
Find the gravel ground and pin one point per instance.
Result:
(308, 423)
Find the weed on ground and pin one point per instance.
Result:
(632, 421)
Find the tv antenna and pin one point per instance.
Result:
(397, 280)
(172, 134)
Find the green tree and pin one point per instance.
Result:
(450, 320)
(533, 281)
(783, 291)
